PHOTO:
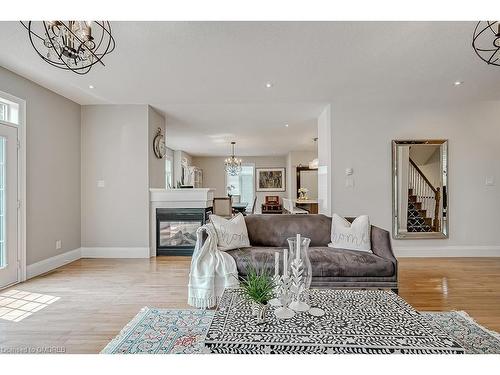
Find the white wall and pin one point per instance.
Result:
(156, 167)
(114, 150)
(214, 175)
(361, 139)
(325, 154)
(53, 168)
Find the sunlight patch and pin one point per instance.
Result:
(15, 305)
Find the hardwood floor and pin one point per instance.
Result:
(99, 296)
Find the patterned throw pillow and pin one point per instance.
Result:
(231, 234)
(355, 236)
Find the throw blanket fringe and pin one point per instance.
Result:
(212, 270)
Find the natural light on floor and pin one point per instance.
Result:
(15, 305)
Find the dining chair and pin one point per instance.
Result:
(252, 211)
(223, 207)
(290, 207)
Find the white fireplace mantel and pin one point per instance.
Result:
(181, 198)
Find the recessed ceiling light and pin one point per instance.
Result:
(91, 86)
(458, 83)
(269, 85)
(286, 125)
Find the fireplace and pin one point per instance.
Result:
(176, 229)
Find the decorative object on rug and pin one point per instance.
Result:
(232, 233)
(183, 331)
(275, 301)
(270, 179)
(355, 321)
(301, 272)
(284, 291)
(232, 165)
(71, 45)
(258, 287)
(351, 236)
(486, 41)
(211, 272)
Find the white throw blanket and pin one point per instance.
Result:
(212, 271)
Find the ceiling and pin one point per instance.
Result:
(208, 78)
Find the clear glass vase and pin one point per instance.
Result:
(300, 272)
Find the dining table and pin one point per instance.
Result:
(240, 207)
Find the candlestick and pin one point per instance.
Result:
(285, 263)
(297, 247)
(276, 263)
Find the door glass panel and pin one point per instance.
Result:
(3, 255)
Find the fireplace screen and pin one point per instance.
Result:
(176, 229)
(178, 233)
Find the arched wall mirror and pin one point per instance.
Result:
(420, 189)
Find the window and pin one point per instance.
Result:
(242, 185)
(9, 111)
(4, 111)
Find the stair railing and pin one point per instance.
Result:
(425, 193)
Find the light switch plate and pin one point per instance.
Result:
(490, 181)
(101, 183)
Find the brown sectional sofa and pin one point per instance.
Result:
(331, 268)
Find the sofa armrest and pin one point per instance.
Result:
(381, 244)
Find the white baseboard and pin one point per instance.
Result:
(115, 252)
(51, 263)
(447, 251)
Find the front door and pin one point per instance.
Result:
(9, 255)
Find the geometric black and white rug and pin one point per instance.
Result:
(157, 331)
(355, 322)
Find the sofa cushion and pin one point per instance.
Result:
(273, 230)
(325, 261)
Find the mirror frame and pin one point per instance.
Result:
(444, 233)
(301, 168)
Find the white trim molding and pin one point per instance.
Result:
(115, 252)
(447, 251)
(57, 261)
(52, 263)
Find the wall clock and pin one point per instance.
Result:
(159, 147)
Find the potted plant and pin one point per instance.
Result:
(258, 286)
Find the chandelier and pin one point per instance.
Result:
(232, 165)
(71, 45)
(486, 41)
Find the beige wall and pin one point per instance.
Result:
(53, 168)
(214, 175)
(156, 167)
(114, 150)
(362, 140)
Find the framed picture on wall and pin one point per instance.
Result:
(270, 179)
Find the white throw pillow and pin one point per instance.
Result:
(355, 236)
(231, 234)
